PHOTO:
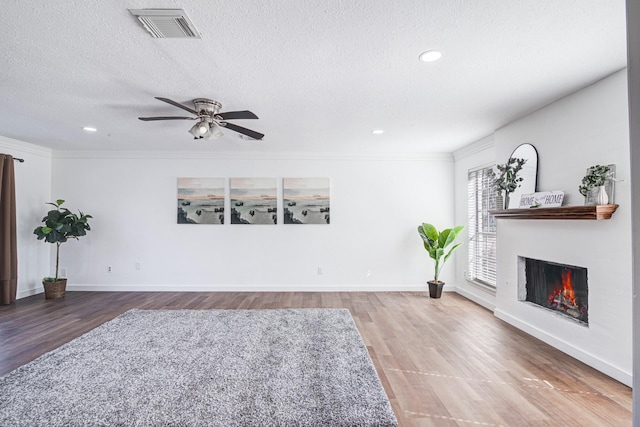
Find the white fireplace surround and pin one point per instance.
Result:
(602, 345)
(585, 128)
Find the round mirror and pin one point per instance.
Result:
(529, 173)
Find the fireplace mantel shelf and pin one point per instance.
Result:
(597, 212)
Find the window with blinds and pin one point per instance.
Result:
(482, 227)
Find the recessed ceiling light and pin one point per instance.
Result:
(377, 131)
(430, 56)
(90, 129)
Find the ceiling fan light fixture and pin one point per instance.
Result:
(203, 128)
(215, 131)
(200, 129)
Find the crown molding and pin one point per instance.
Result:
(181, 155)
(482, 144)
(24, 147)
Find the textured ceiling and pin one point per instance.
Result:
(321, 75)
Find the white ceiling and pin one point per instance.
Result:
(320, 74)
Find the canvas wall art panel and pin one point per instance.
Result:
(201, 200)
(253, 200)
(306, 200)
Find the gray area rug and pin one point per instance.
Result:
(297, 367)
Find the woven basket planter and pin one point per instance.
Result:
(54, 290)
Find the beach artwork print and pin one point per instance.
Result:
(201, 200)
(306, 200)
(253, 200)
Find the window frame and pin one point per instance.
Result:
(481, 226)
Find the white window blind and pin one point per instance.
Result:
(482, 227)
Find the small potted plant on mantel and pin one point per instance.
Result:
(596, 178)
(506, 180)
(60, 225)
(435, 244)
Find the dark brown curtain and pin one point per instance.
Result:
(8, 240)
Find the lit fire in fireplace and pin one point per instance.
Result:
(558, 287)
(564, 299)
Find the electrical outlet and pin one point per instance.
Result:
(138, 265)
(108, 269)
(368, 273)
(63, 272)
(320, 270)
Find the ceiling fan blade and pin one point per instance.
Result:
(177, 104)
(148, 119)
(232, 115)
(251, 133)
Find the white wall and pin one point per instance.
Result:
(33, 189)
(586, 128)
(376, 206)
(475, 155)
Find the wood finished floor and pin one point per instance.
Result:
(446, 362)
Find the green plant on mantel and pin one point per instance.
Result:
(596, 176)
(60, 225)
(507, 179)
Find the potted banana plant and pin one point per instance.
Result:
(60, 225)
(436, 244)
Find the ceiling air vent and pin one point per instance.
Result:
(166, 23)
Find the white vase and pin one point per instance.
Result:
(602, 198)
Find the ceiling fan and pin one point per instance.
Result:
(210, 119)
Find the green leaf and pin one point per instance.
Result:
(430, 231)
(442, 238)
(59, 202)
(452, 235)
(427, 242)
(446, 257)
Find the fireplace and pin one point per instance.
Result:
(560, 288)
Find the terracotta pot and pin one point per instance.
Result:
(435, 288)
(54, 290)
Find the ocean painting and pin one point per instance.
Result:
(254, 200)
(201, 200)
(306, 200)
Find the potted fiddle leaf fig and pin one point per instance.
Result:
(436, 244)
(60, 225)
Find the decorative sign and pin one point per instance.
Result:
(543, 199)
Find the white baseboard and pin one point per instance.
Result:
(245, 288)
(486, 303)
(29, 292)
(591, 360)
